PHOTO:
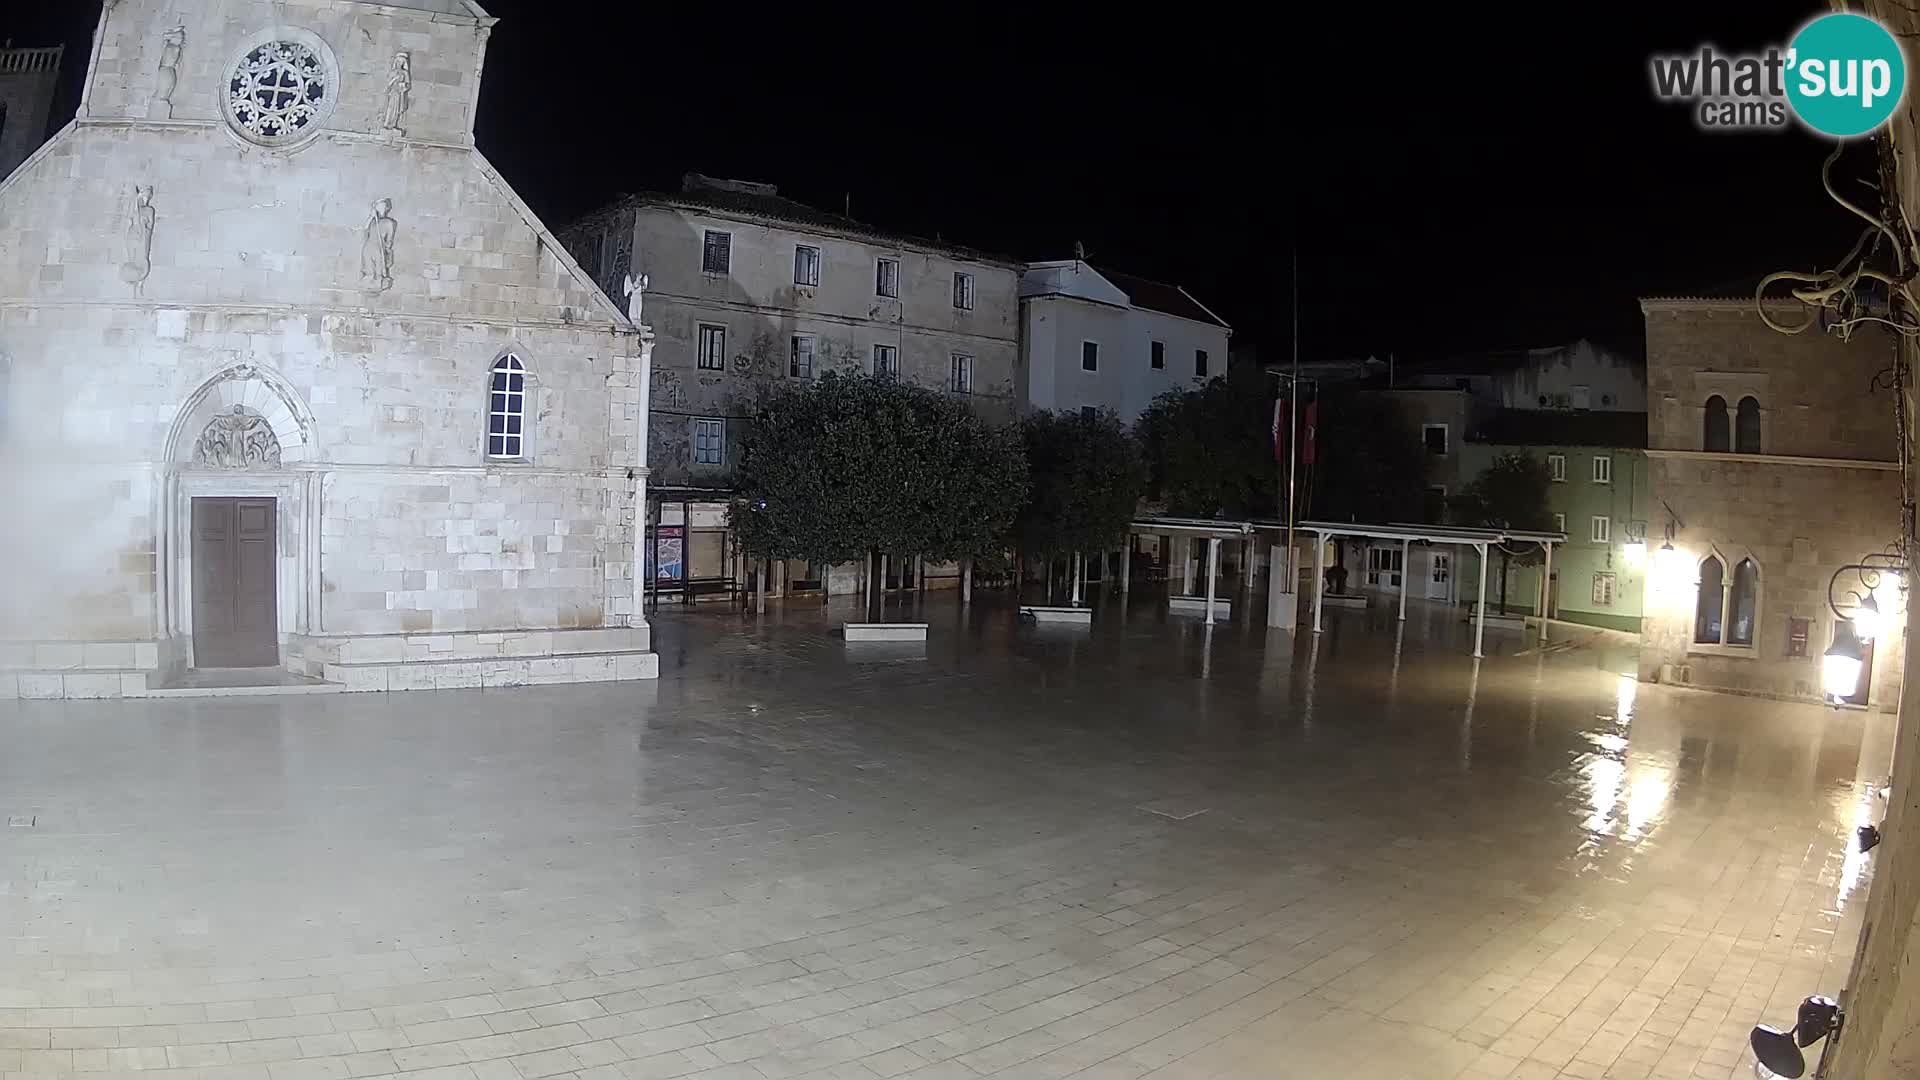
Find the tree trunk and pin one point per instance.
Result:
(876, 582)
(1503, 583)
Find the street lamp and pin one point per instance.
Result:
(1840, 667)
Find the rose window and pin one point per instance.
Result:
(278, 91)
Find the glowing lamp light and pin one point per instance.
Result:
(1887, 592)
(1840, 667)
(1867, 620)
(1636, 553)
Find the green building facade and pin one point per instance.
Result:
(1600, 498)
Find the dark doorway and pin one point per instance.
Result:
(234, 616)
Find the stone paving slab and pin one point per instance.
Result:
(1156, 850)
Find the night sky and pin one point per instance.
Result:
(1487, 177)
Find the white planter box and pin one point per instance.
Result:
(886, 631)
(1049, 613)
(1343, 600)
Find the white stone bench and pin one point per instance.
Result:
(1057, 614)
(1197, 605)
(496, 671)
(885, 631)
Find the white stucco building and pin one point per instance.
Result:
(1096, 338)
(745, 286)
(293, 379)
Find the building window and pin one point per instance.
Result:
(806, 265)
(1557, 468)
(1602, 469)
(1746, 426)
(713, 347)
(1384, 566)
(886, 277)
(1582, 398)
(1560, 523)
(1089, 356)
(1603, 590)
(1089, 412)
(507, 409)
(1716, 438)
(962, 373)
(716, 255)
(1727, 614)
(1435, 436)
(800, 357)
(1602, 530)
(280, 92)
(963, 291)
(886, 361)
(1199, 363)
(1157, 353)
(709, 442)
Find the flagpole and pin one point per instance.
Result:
(1293, 426)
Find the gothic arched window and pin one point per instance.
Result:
(1746, 426)
(1709, 608)
(1716, 438)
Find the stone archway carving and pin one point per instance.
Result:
(245, 417)
(241, 439)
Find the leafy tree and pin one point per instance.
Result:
(847, 467)
(1368, 461)
(1511, 493)
(1087, 476)
(1209, 450)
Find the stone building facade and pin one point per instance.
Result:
(1771, 465)
(745, 285)
(294, 376)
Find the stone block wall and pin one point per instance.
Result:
(1812, 387)
(1799, 523)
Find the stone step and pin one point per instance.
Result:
(617, 666)
(45, 685)
(101, 657)
(465, 645)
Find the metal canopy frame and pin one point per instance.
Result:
(1478, 539)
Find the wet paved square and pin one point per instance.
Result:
(1143, 850)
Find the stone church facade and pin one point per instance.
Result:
(290, 377)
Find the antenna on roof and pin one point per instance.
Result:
(1079, 251)
(847, 203)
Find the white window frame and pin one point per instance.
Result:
(1604, 581)
(881, 281)
(794, 370)
(1602, 469)
(1560, 523)
(719, 424)
(812, 281)
(962, 290)
(1729, 567)
(961, 381)
(1602, 529)
(890, 370)
(1557, 468)
(701, 338)
(1446, 445)
(506, 405)
(704, 268)
(1083, 357)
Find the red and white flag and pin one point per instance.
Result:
(1309, 425)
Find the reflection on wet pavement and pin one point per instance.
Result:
(1152, 848)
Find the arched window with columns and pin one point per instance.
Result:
(507, 409)
(1709, 606)
(1716, 436)
(1746, 426)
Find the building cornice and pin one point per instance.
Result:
(1778, 459)
(612, 329)
(655, 295)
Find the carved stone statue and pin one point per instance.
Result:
(139, 237)
(160, 106)
(399, 86)
(376, 249)
(635, 290)
(237, 440)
